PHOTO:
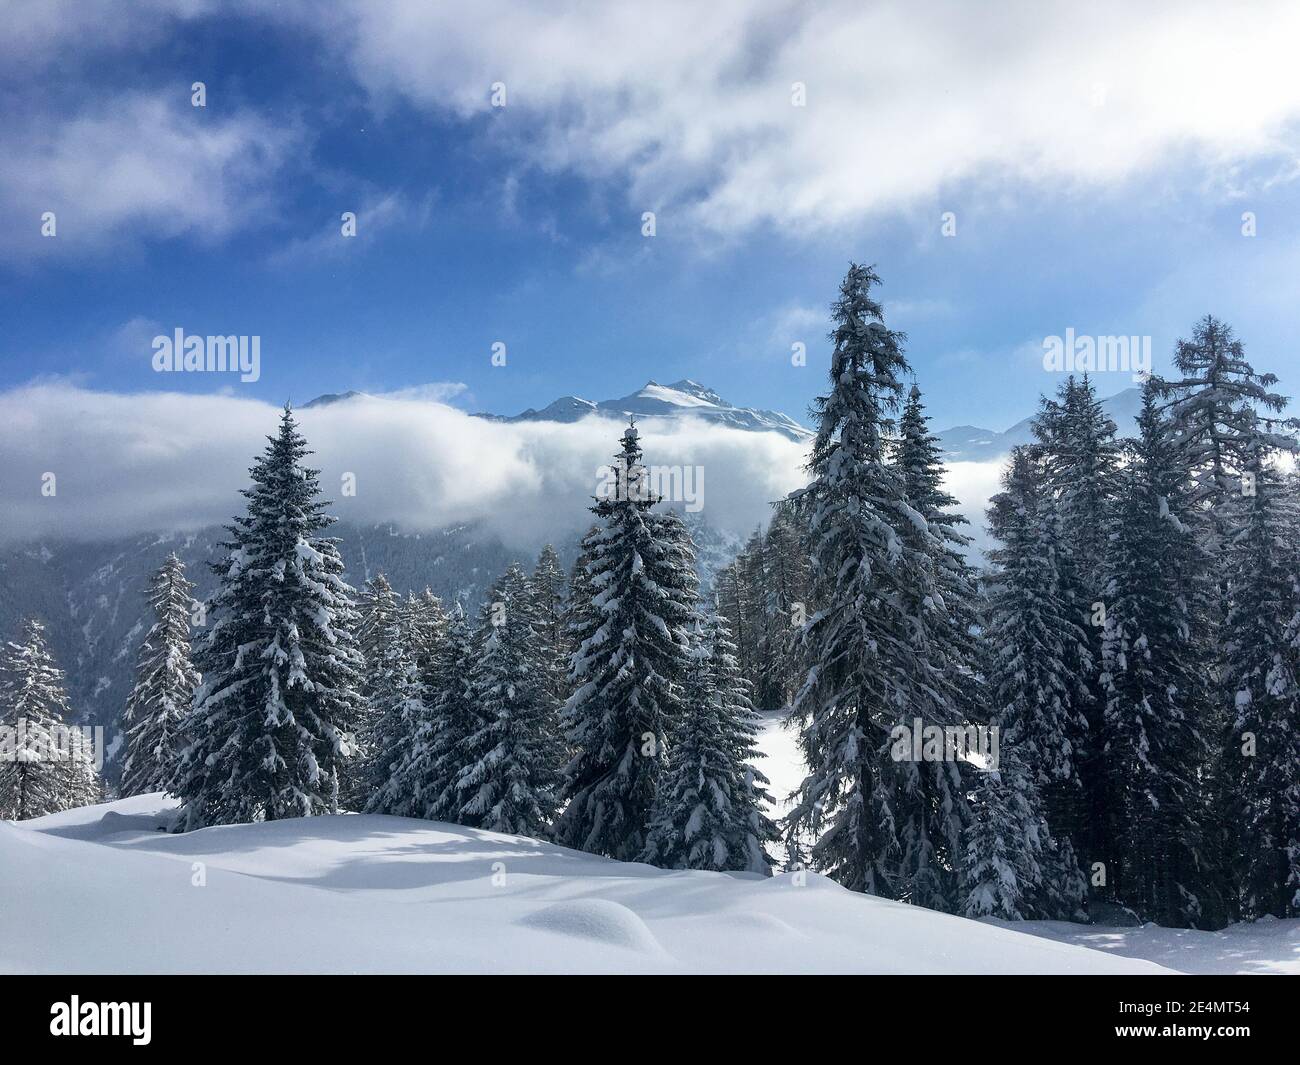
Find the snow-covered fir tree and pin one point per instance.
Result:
(633, 645)
(49, 768)
(165, 680)
(1030, 632)
(1079, 459)
(549, 606)
(423, 779)
(1261, 668)
(510, 782)
(1214, 405)
(272, 727)
(1155, 676)
(786, 600)
(861, 680)
(396, 704)
(424, 620)
(378, 607)
(711, 808)
(1012, 868)
(753, 830)
(931, 806)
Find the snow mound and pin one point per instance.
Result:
(600, 919)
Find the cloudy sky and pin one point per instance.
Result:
(1095, 161)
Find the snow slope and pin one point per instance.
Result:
(102, 890)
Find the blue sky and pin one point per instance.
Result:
(1094, 188)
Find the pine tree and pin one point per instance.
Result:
(377, 611)
(1155, 677)
(424, 621)
(787, 603)
(549, 613)
(165, 680)
(1029, 634)
(1262, 671)
(633, 647)
(752, 829)
(694, 814)
(1215, 409)
(1079, 458)
(931, 806)
(423, 779)
(272, 727)
(397, 706)
(512, 767)
(861, 678)
(1012, 867)
(43, 766)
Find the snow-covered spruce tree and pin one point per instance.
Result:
(511, 778)
(272, 726)
(693, 813)
(424, 621)
(1012, 868)
(710, 812)
(1155, 675)
(1029, 634)
(1261, 667)
(1215, 407)
(955, 619)
(548, 589)
(753, 830)
(741, 599)
(397, 706)
(35, 779)
(165, 679)
(378, 611)
(633, 646)
(786, 604)
(423, 779)
(945, 686)
(861, 678)
(1079, 458)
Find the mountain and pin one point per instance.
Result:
(969, 443)
(330, 398)
(681, 399)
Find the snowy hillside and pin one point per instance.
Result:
(101, 889)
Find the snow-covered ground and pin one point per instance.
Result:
(101, 889)
(1268, 946)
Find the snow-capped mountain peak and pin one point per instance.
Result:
(681, 399)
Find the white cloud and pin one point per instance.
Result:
(375, 215)
(154, 461)
(689, 105)
(143, 167)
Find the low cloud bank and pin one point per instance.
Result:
(83, 464)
